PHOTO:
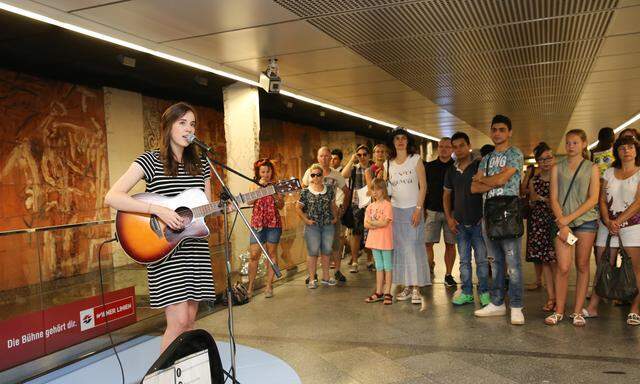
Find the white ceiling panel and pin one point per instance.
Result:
(622, 44)
(370, 88)
(70, 5)
(272, 40)
(162, 20)
(340, 77)
(381, 99)
(306, 62)
(617, 62)
(625, 20)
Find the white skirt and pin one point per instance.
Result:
(630, 236)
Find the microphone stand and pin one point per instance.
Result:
(225, 198)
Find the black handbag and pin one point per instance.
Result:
(347, 218)
(503, 216)
(613, 282)
(553, 227)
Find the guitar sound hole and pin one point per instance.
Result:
(187, 216)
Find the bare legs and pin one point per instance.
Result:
(563, 254)
(355, 248)
(549, 271)
(383, 281)
(583, 254)
(181, 317)
(595, 299)
(255, 253)
(449, 256)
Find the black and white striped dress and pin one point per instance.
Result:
(186, 274)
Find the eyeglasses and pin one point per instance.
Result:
(544, 159)
(362, 154)
(314, 175)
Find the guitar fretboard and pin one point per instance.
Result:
(211, 208)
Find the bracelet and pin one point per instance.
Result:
(418, 207)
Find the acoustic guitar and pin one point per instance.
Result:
(146, 239)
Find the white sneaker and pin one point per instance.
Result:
(415, 297)
(313, 284)
(491, 310)
(331, 281)
(517, 317)
(404, 295)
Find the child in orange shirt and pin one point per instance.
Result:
(378, 218)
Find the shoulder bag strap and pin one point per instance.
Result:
(571, 184)
(486, 166)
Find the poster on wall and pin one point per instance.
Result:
(27, 337)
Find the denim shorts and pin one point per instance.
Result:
(319, 239)
(266, 235)
(589, 226)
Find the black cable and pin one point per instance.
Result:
(106, 317)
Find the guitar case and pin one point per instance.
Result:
(187, 344)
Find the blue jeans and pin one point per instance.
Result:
(468, 237)
(266, 235)
(319, 239)
(499, 252)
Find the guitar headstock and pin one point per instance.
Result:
(288, 186)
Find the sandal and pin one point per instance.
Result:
(554, 318)
(388, 299)
(633, 319)
(373, 298)
(550, 306)
(534, 287)
(578, 320)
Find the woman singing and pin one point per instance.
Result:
(184, 278)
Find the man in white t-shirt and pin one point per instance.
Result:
(334, 179)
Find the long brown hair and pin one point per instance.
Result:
(583, 136)
(190, 156)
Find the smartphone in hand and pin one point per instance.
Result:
(571, 238)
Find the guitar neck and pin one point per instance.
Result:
(216, 207)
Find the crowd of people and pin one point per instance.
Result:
(397, 207)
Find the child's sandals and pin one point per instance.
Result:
(388, 299)
(373, 298)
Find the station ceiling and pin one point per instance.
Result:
(434, 66)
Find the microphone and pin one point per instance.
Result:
(191, 138)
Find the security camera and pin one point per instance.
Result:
(269, 79)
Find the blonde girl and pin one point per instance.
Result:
(573, 205)
(377, 220)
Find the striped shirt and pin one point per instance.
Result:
(187, 273)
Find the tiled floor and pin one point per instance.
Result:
(329, 335)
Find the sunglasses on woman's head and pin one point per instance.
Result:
(314, 175)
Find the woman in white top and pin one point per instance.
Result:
(620, 211)
(408, 187)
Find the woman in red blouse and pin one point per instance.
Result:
(266, 223)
